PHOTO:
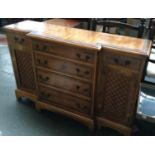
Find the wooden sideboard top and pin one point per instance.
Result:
(81, 38)
(63, 22)
(29, 25)
(91, 39)
(25, 26)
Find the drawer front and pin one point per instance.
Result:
(64, 66)
(19, 41)
(123, 61)
(75, 53)
(65, 100)
(64, 82)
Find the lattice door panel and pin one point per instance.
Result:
(116, 97)
(25, 70)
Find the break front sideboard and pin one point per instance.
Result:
(89, 76)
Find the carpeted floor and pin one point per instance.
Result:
(3, 40)
(22, 119)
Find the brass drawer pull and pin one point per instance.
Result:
(85, 107)
(45, 95)
(42, 63)
(19, 41)
(87, 72)
(86, 90)
(37, 47)
(78, 70)
(116, 60)
(78, 55)
(77, 87)
(123, 63)
(127, 62)
(16, 39)
(45, 79)
(87, 57)
(44, 48)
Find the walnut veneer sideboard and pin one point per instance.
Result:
(89, 76)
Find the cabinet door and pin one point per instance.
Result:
(19, 46)
(23, 61)
(117, 93)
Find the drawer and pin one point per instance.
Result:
(70, 52)
(64, 66)
(64, 82)
(19, 41)
(67, 101)
(123, 61)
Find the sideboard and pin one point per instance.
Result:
(92, 77)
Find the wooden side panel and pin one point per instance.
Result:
(19, 46)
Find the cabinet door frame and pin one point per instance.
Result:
(133, 77)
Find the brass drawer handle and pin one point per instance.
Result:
(127, 62)
(77, 87)
(44, 48)
(87, 57)
(78, 70)
(116, 60)
(85, 107)
(16, 39)
(78, 55)
(87, 72)
(37, 47)
(42, 63)
(20, 41)
(86, 90)
(45, 95)
(45, 79)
